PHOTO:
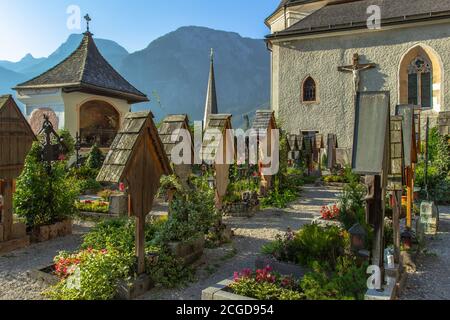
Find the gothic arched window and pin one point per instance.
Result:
(309, 90)
(420, 83)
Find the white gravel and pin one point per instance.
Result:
(431, 281)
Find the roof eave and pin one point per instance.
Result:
(360, 25)
(83, 87)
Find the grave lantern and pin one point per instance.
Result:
(358, 236)
(211, 182)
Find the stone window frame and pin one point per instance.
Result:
(316, 93)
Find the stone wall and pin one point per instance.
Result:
(295, 60)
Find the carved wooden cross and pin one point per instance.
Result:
(356, 68)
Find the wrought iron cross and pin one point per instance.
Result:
(355, 69)
(88, 19)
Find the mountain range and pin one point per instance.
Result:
(173, 71)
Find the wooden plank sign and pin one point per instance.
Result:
(409, 133)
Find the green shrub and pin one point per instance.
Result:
(438, 169)
(84, 178)
(316, 243)
(95, 158)
(312, 243)
(68, 141)
(192, 210)
(278, 199)
(42, 198)
(347, 282)
(352, 205)
(169, 271)
(119, 234)
(95, 274)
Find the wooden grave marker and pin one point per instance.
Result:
(410, 152)
(332, 145)
(370, 158)
(16, 139)
(396, 179)
(218, 151)
(265, 123)
(138, 160)
(170, 134)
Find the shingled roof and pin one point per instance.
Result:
(3, 100)
(350, 15)
(86, 70)
(169, 125)
(263, 119)
(125, 144)
(210, 145)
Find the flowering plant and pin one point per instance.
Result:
(66, 264)
(330, 212)
(264, 284)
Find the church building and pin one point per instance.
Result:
(83, 94)
(325, 51)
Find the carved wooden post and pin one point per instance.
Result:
(7, 218)
(397, 209)
(374, 212)
(140, 243)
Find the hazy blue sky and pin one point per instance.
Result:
(39, 27)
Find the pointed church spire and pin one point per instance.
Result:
(211, 96)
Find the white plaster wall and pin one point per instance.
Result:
(320, 57)
(48, 98)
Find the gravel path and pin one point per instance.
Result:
(216, 264)
(431, 281)
(250, 235)
(14, 281)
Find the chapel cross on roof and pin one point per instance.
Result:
(88, 19)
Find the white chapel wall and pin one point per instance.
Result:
(320, 58)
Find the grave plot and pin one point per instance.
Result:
(44, 198)
(139, 254)
(16, 138)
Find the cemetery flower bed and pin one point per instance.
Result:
(264, 284)
(105, 266)
(334, 272)
(97, 206)
(346, 282)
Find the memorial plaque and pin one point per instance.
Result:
(371, 133)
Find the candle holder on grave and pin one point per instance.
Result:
(358, 237)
